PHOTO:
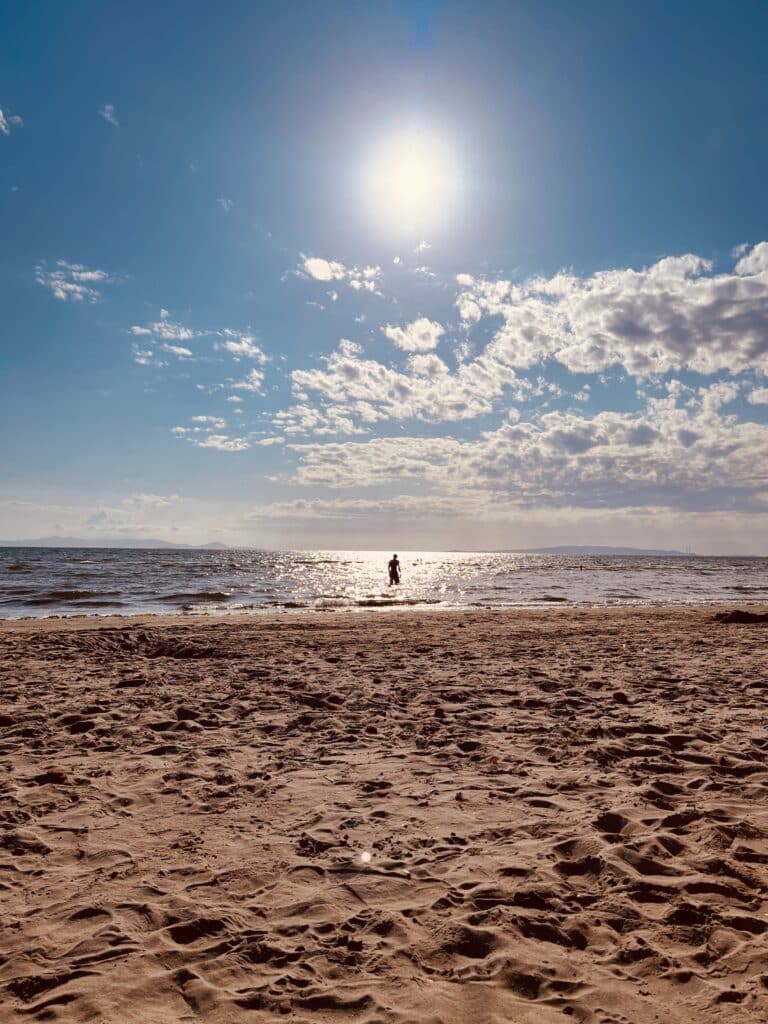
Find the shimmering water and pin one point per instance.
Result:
(56, 581)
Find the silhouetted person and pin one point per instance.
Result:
(394, 570)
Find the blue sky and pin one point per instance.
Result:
(398, 273)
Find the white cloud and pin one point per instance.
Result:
(252, 382)
(177, 350)
(165, 329)
(366, 390)
(693, 457)
(357, 278)
(213, 421)
(674, 314)
(324, 270)
(234, 398)
(144, 501)
(420, 336)
(226, 204)
(146, 357)
(8, 120)
(72, 281)
(107, 111)
(243, 347)
(758, 397)
(223, 443)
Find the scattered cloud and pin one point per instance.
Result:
(243, 346)
(226, 204)
(420, 336)
(684, 451)
(758, 397)
(204, 434)
(107, 112)
(252, 382)
(214, 422)
(72, 281)
(222, 443)
(358, 392)
(8, 122)
(358, 278)
(675, 314)
(151, 501)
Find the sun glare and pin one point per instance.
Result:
(411, 182)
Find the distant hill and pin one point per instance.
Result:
(105, 542)
(572, 549)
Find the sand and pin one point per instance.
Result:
(471, 817)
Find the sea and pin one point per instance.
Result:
(38, 582)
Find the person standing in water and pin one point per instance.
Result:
(394, 570)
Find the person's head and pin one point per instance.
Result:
(394, 556)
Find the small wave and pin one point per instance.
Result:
(55, 596)
(200, 595)
(18, 567)
(99, 604)
(551, 598)
(743, 588)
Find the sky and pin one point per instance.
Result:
(408, 275)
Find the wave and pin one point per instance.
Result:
(198, 595)
(66, 596)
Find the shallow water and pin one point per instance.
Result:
(67, 581)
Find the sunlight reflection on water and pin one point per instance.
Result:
(45, 581)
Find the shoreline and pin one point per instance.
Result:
(759, 604)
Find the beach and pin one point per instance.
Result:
(398, 816)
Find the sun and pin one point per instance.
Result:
(411, 181)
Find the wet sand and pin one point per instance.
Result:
(396, 817)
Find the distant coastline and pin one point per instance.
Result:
(153, 543)
(136, 543)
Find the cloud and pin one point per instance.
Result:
(164, 330)
(324, 270)
(72, 281)
(204, 434)
(7, 121)
(243, 346)
(693, 456)
(177, 350)
(357, 278)
(222, 443)
(758, 397)
(107, 111)
(403, 506)
(214, 421)
(369, 391)
(151, 501)
(671, 315)
(420, 336)
(226, 204)
(252, 382)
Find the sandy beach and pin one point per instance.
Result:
(396, 817)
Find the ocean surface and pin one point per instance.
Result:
(86, 581)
